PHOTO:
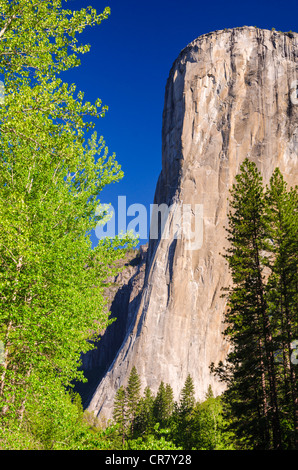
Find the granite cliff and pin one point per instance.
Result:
(230, 95)
(123, 296)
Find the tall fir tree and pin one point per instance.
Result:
(261, 317)
(160, 405)
(169, 401)
(187, 400)
(133, 396)
(120, 414)
(282, 296)
(208, 427)
(181, 422)
(253, 391)
(144, 421)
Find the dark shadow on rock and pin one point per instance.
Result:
(96, 362)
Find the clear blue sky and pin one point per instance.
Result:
(128, 65)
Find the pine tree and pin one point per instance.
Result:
(282, 294)
(209, 393)
(133, 396)
(253, 391)
(262, 311)
(120, 413)
(181, 422)
(184, 407)
(187, 400)
(169, 401)
(144, 421)
(160, 408)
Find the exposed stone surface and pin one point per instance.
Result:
(228, 96)
(123, 299)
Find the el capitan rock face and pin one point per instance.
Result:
(122, 302)
(228, 97)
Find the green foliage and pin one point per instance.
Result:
(52, 282)
(144, 422)
(120, 413)
(187, 400)
(162, 424)
(209, 428)
(133, 396)
(159, 440)
(181, 420)
(261, 319)
(282, 299)
(127, 406)
(163, 404)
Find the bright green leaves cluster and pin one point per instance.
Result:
(159, 422)
(51, 280)
(261, 319)
(42, 36)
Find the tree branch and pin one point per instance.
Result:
(7, 25)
